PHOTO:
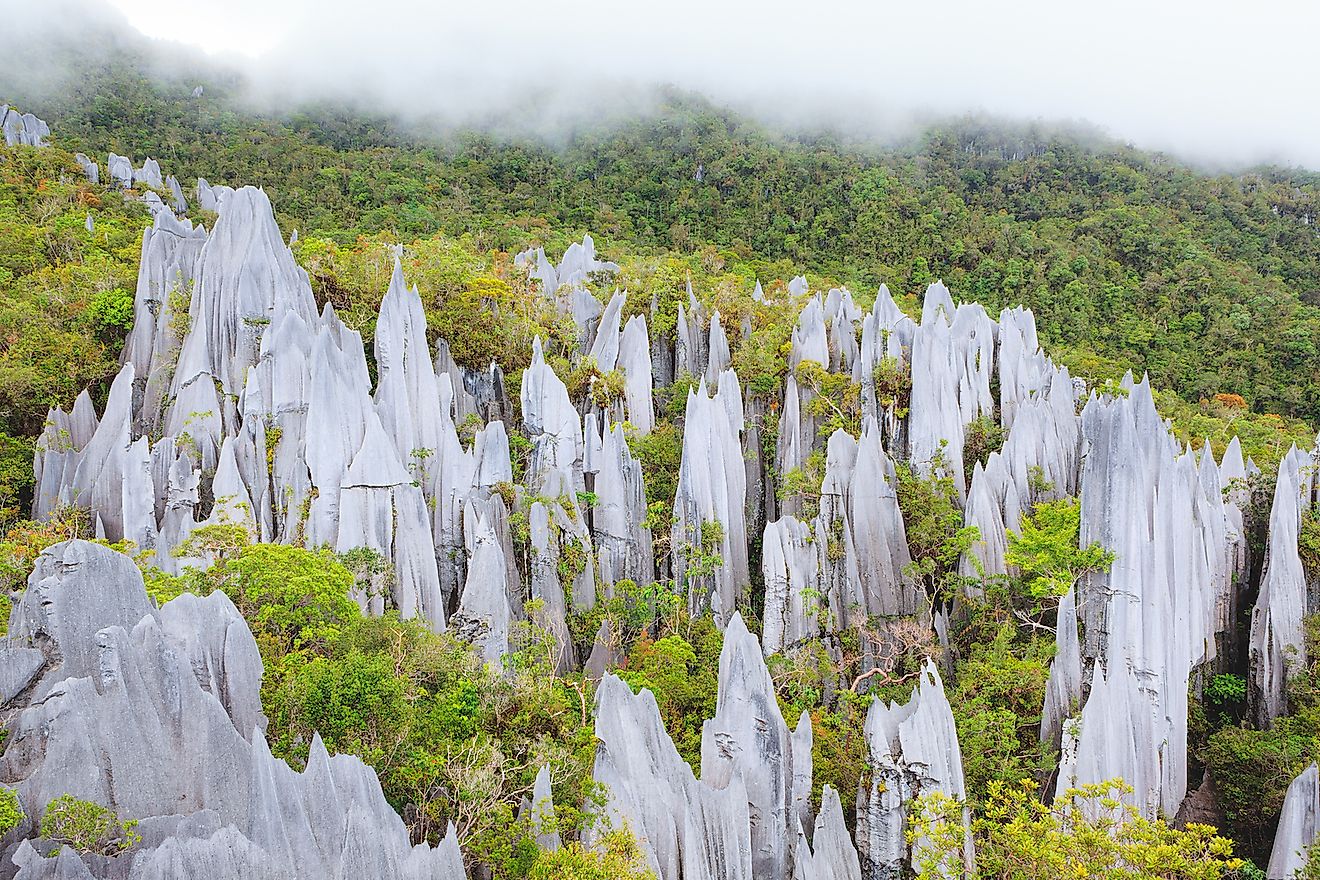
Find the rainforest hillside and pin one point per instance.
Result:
(1209, 282)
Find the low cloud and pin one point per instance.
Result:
(1214, 81)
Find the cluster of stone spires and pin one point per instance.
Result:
(264, 416)
(22, 128)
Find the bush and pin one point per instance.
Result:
(292, 598)
(618, 857)
(1252, 770)
(982, 437)
(88, 827)
(1087, 832)
(1045, 550)
(684, 679)
(11, 812)
(111, 313)
(996, 697)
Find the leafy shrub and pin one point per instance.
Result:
(933, 520)
(11, 811)
(996, 695)
(1252, 770)
(292, 598)
(87, 827)
(1045, 549)
(683, 676)
(616, 857)
(111, 312)
(1086, 832)
(983, 436)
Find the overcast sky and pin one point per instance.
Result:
(1220, 80)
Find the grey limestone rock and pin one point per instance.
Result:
(1063, 690)
(686, 828)
(913, 750)
(635, 362)
(1151, 618)
(22, 129)
(1278, 647)
(120, 169)
(545, 539)
(149, 174)
(712, 488)
(177, 200)
(1298, 826)
(551, 422)
(748, 738)
(789, 569)
(89, 167)
(181, 685)
(484, 615)
(542, 808)
(623, 544)
(831, 854)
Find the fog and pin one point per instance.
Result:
(1213, 81)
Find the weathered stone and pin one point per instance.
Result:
(1298, 826)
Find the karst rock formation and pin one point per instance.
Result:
(241, 402)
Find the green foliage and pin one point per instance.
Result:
(1308, 540)
(1252, 770)
(1087, 832)
(683, 676)
(996, 695)
(294, 599)
(11, 811)
(1264, 436)
(983, 435)
(111, 312)
(835, 401)
(616, 857)
(87, 827)
(451, 739)
(1046, 552)
(1225, 697)
(803, 484)
(16, 477)
(933, 521)
(893, 384)
(64, 287)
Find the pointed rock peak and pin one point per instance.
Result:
(543, 818)
(398, 287)
(375, 465)
(937, 300)
(538, 353)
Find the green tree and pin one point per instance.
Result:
(88, 827)
(1045, 550)
(1086, 832)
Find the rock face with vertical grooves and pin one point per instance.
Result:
(748, 738)
(623, 544)
(831, 854)
(551, 421)
(1277, 645)
(1152, 617)
(711, 498)
(789, 569)
(1298, 826)
(913, 750)
(121, 680)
